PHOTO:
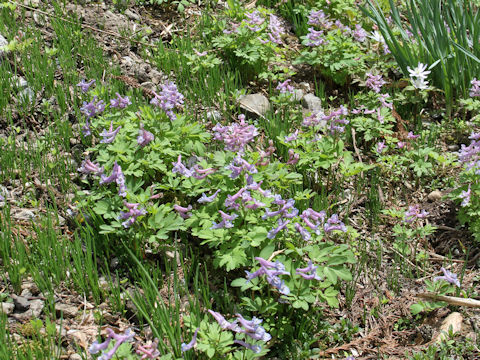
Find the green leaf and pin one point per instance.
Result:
(416, 309)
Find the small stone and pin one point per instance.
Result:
(127, 61)
(254, 104)
(3, 42)
(149, 86)
(453, 147)
(36, 307)
(23, 214)
(7, 308)
(20, 82)
(75, 357)
(214, 115)
(26, 293)
(131, 15)
(435, 195)
(26, 95)
(39, 19)
(298, 94)
(21, 303)
(103, 284)
(304, 86)
(69, 311)
(312, 102)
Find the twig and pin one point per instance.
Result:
(452, 300)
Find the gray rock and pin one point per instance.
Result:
(214, 115)
(131, 15)
(305, 86)
(36, 307)
(453, 147)
(298, 94)
(21, 303)
(23, 214)
(254, 104)
(312, 102)
(127, 61)
(69, 311)
(3, 42)
(39, 19)
(75, 357)
(435, 195)
(26, 95)
(7, 308)
(20, 82)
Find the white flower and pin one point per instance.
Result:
(419, 83)
(377, 37)
(420, 72)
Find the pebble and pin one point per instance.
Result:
(69, 311)
(3, 42)
(214, 115)
(131, 15)
(7, 308)
(75, 357)
(26, 95)
(312, 102)
(254, 104)
(21, 303)
(298, 94)
(435, 195)
(453, 147)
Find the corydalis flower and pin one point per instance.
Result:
(255, 348)
(96, 347)
(314, 37)
(144, 137)
(92, 108)
(235, 136)
(285, 88)
(183, 211)
(414, 213)
(191, 344)
(84, 85)
(272, 272)
(86, 130)
(303, 232)
(226, 221)
(412, 136)
(208, 199)
(132, 214)
(178, 167)
(281, 225)
(359, 34)
(465, 196)
(149, 351)
(374, 82)
(309, 272)
(291, 137)
(109, 136)
(380, 147)
(334, 223)
(448, 277)
(316, 18)
(254, 20)
(88, 167)
(118, 177)
(292, 157)
(168, 99)
(475, 89)
(275, 30)
(120, 102)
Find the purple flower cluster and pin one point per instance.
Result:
(275, 30)
(88, 167)
(309, 272)
(380, 147)
(313, 220)
(168, 99)
(96, 347)
(292, 157)
(465, 196)
(374, 82)
(132, 214)
(334, 223)
(208, 199)
(359, 33)
(239, 165)
(315, 37)
(109, 136)
(285, 88)
(448, 277)
(118, 177)
(86, 130)
(272, 270)
(286, 209)
(149, 351)
(120, 102)
(414, 213)
(265, 154)
(191, 344)
(475, 89)
(254, 21)
(469, 155)
(314, 119)
(144, 137)
(251, 328)
(195, 171)
(92, 108)
(316, 18)
(235, 136)
(226, 222)
(337, 120)
(84, 85)
(291, 137)
(184, 212)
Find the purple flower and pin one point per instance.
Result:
(360, 34)
(272, 271)
(178, 167)
(149, 351)
(281, 225)
(84, 86)
(255, 348)
(235, 136)
(230, 202)
(88, 167)
(226, 221)
(411, 136)
(309, 272)
(314, 37)
(254, 20)
(448, 277)
(132, 214)
(401, 144)
(275, 30)
(86, 129)
(208, 199)
(191, 344)
(168, 99)
(120, 102)
(334, 223)
(374, 82)
(303, 232)
(119, 340)
(475, 89)
(292, 137)
(465, 196)
(92, 108)
(382, 98)
(285, 88)
(292, 157)
(183, 211)
(380, 147)
(413, 213)
(316, 18)
(118, 177)
(144, 137)
(224, 324)
(109, 136)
